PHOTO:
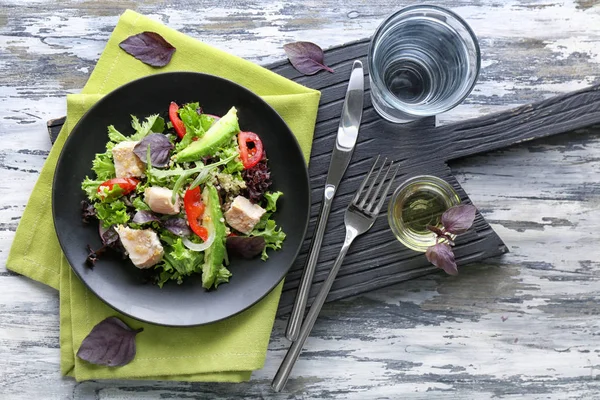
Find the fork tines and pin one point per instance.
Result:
(360, 200)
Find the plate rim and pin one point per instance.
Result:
(105, 98)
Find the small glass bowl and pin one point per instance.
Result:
(417, 193)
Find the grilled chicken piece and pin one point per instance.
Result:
(159, 200)
(127, 164)
(143, 246)
(243, 215)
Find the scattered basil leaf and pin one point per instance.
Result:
(110, 343)
(177, 226)
(458, 219)
(306, 57)
(160, 148)
(247, 247)
(143, 216)
(455, 220)
(441, 256)
(149, 47)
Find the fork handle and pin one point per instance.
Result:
(295, 321)
(290, 358)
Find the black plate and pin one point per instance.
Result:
(118, 282)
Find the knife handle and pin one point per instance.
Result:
(295, 321)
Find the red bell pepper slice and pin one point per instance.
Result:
(194, 209)
(178, 124)
(251, 149)
(127, 185)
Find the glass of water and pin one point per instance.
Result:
(423, 61)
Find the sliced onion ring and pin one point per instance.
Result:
(210, 227)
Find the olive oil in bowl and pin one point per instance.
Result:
(417, 203)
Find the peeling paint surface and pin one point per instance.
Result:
(523, 326)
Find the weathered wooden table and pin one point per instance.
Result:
(521, 326)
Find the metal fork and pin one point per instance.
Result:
(359, 218)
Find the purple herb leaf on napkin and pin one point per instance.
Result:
(110, 343)
(149, 47)
(306, 57)
(160, 149)
(458, 219)
(442, 256)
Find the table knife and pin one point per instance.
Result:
(342, 153)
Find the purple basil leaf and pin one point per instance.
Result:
(441, 256)
(149, 47)
(177, 226)
(110, 343)
(160, 148)
(143, 216)
(458, 219)
(247, 247)
(306, 57)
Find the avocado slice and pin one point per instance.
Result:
(217, 135)
(213, 271)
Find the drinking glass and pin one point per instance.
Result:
(423, 60)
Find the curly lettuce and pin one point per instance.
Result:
(267, 228)
(112, 213)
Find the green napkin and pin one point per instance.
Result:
(228, 350)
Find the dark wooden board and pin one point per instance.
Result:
(377, 259)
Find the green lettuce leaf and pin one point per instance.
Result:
(153, 123)
(223, 276)
(115, 136)
(139, 204)
(272, 198)
(231, 152)
(107, 195)
(112, 213)
(195, 124)
(267, 228)
(103, 166)
(188, 261)
(90, 187)
(273, 235)
(178, 261)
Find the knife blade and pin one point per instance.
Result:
(342, 153)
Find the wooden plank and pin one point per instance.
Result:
(419, 147)
(377, 259)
